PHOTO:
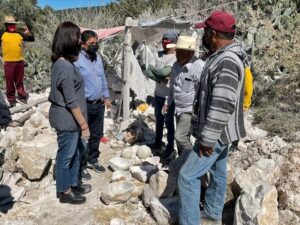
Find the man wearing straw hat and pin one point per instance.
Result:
(184, 78)
(12, 51)
(217, 121)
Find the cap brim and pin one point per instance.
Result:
(172, 45)
(200, 25)
(11, 22)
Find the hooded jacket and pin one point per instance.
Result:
(218, 104)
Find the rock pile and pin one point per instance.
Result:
(263, 176)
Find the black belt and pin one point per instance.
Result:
(93, 102)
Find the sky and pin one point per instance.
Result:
(66, 4)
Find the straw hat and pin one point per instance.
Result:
(10, 19)
(186, 43)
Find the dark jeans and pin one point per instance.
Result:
(95, 121)
(70, 148)
(5, 116)
(14, 77)
(161, 119)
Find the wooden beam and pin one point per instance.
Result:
(28, 106)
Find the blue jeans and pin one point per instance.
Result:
(161, 119)
(70, 149)
(189, 185)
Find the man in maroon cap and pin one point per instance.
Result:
(217, 121)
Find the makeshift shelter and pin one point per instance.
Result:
(141, 30)
(130, 73)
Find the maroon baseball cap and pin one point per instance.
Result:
(219, 21)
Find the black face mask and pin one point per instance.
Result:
(93, 48)
(92, 51)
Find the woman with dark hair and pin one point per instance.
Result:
(91, 69)
(68, 113)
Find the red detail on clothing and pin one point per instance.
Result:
(219, 21)
(104, 139)
(165, 43)
(14, 76)
(11, 27)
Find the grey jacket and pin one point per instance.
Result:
(218, 105)
(67, 92)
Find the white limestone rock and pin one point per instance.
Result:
(117, 192)
(264, 171)
(117, 221)
(165, 211)
(119, 163)
(144, 152)
(120, 175)
(158, 182)
(143, 172)
(128, 153)
(257, 206)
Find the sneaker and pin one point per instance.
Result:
(85, 175)
(97, 167)
(23, 100)
(104, 139)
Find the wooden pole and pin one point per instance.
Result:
(126, 72)
(28, 106)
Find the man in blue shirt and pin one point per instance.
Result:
(91, 69)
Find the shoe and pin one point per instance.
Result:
(168, 154)
(205, 220)
(97, 167)
(12, 104)
(156, 145)
(85, 175)
(82, 189)
(72, 198)
(104, 139)
(23, 100)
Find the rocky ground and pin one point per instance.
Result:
(263, 179)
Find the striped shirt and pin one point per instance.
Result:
(218, 104)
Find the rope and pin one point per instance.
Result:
(204, 10)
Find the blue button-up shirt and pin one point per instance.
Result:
(93, 75)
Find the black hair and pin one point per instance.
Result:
(87, 34)
(66, 42)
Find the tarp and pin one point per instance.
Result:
(105, 33)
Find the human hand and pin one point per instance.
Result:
(165, 108)
(85, 134)
(203, 150)
(107, 103)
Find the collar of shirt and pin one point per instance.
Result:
(93, 75)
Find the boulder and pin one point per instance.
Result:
(143, 172)
(128, 153)
(147, 195)
(35, 156)
(288, 217)
(158, 182)
(144, 152)
(165, 211)
(117, 192)
(120, 175)
(9, 139)
(119, 163)
(264, 171)
(117, 221)
(258, 206)
(155, 160)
